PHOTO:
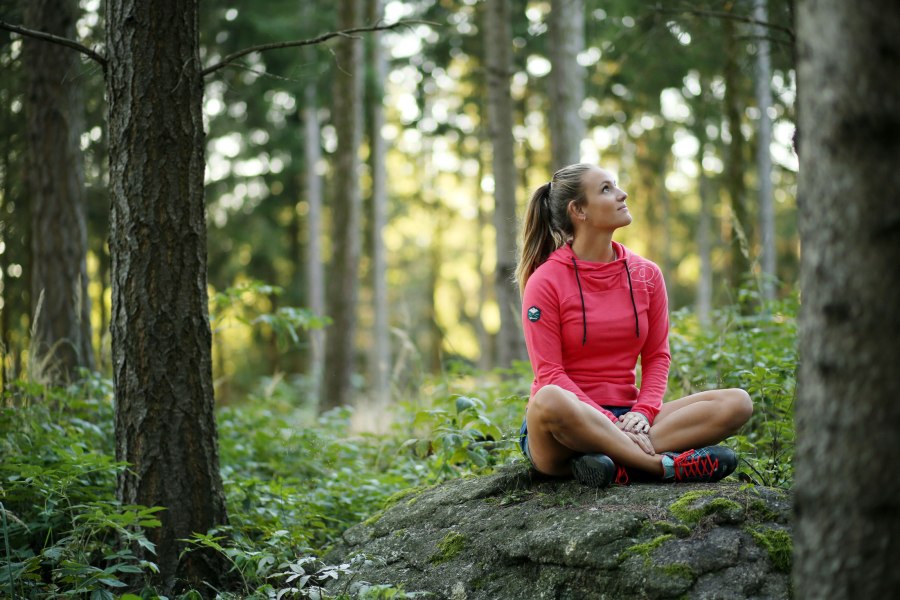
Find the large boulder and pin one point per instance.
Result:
(514, 536)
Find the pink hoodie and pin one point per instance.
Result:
(585, 328)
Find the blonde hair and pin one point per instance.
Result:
(547, 225)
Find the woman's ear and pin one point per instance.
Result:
(576, 213)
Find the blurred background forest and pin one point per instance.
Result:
(396, 248)
(670, 103)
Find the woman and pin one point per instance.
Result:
(590, 308)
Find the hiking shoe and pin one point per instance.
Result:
(595, 470)
(708, 464)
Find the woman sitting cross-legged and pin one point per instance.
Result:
(590, 308)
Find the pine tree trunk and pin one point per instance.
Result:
(61, 342)
(847, 492)
(380, 357)
(734, 163)
(315, 272)
(763, 155)
(165, 426)
(566, 81)
(343, 284)
(498, 45)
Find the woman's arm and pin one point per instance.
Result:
(655, 356)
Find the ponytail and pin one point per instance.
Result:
(547, 225)
(538, 239)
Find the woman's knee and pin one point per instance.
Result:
(551, 404)
(740, 406)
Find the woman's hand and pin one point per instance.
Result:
(643, 442)
(641, 439)
(634, 422)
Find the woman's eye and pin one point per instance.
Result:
(606, 188)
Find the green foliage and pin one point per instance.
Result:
(64, 532)
(241, 303)
(295, 481)
(757, 353)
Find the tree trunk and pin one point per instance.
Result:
(161, 349)
(763, 155)
(498, 42)
(847, 493)
(380, 361)
(346, 213)
(315, 289)
(704, 245)
(566, 81)
(734, 163)
(61, 340)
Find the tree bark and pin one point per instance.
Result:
(61, 340)
(847, 493)
(566, 81)
(161, 346)
(380, 357)
(763, 155)
(346, 213)
(315, 272)
(497, 45)
(734, 164)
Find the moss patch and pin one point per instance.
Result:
(777, 543)
(374, 518)
(678, 570)
(690, 508)
(676, 529)
(646, 548)
(448, 548)
(398, 496)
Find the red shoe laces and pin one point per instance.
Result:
(694, 464)
(621, 476)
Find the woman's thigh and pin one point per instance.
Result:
(548, 406)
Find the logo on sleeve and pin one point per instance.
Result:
(534, 314)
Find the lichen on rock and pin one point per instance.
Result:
(512, 535)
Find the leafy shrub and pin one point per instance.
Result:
(63, 530)
(755, 352)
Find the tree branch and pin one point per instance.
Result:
(55, 39)
(348, 33)
(727, 15)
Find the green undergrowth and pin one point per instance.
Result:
(295, 482)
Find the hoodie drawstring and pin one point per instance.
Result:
(637, 325)
(580, 293)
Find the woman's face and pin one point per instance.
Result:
(604, 203)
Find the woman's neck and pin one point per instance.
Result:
(596, 248)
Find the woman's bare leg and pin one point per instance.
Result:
(701, 419)
(560, 427)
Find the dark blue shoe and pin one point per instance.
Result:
(708, 464)
(595, 470)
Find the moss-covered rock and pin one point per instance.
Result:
(515, 536)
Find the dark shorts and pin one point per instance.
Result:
(523, 432)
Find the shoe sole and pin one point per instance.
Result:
(589, 471)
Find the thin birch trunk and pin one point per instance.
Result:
(380, 357)
(566, 81)
(498, 45)
(763, 155)
(343, 283)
